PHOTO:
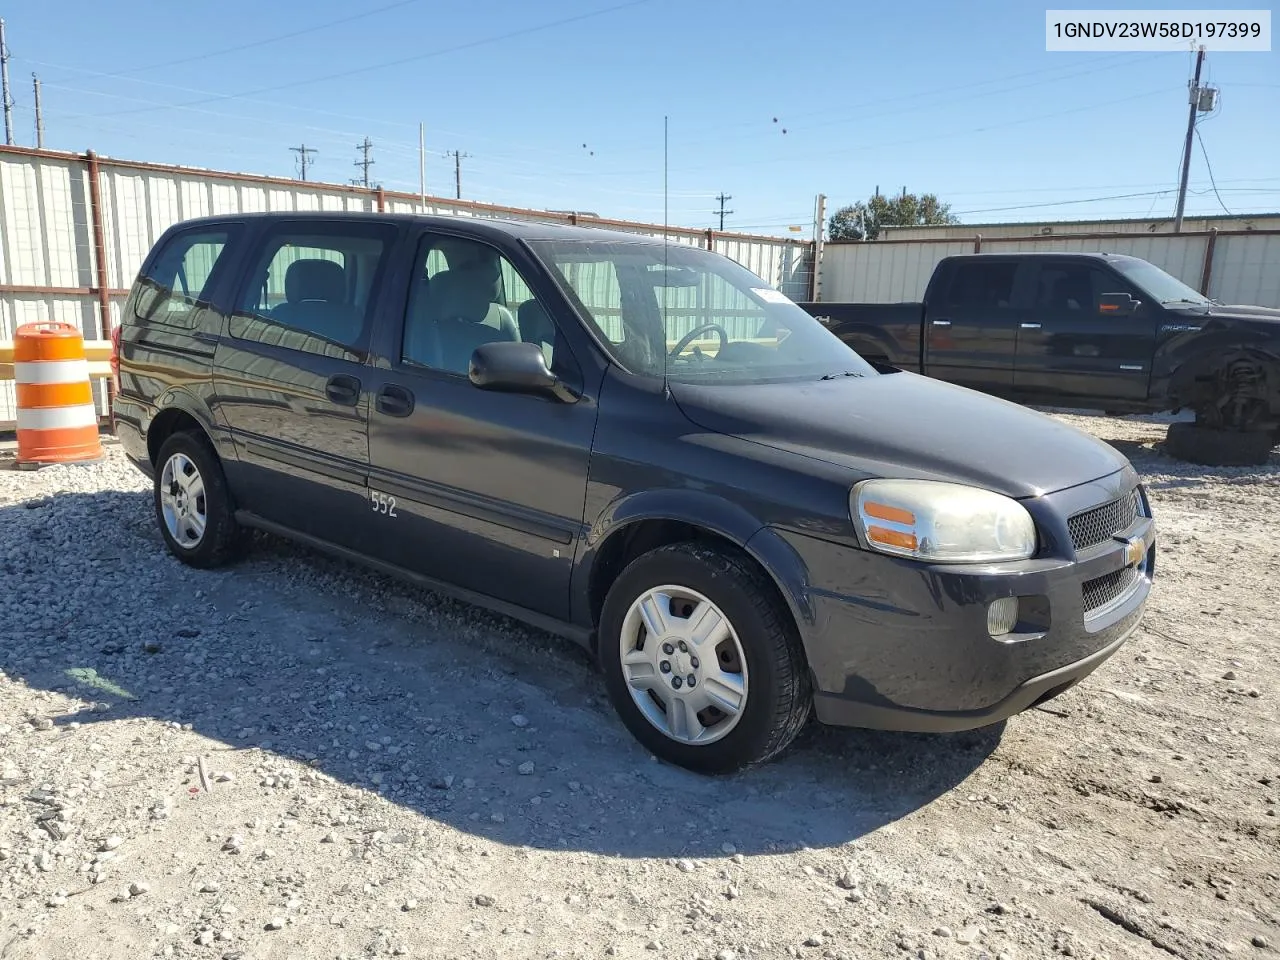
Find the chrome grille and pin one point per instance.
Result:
(1099, 524)
(1105, 590)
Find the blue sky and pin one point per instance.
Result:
(564, 107)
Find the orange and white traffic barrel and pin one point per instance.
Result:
(57, 420)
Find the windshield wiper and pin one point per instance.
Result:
(1199, 303)
(833, 376)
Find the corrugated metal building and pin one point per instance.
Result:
(1059, 228)
(75, 228)
(1231, 266)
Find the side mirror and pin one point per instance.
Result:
(1117, 304)
(516, 367)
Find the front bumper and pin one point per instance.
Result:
(900, 645)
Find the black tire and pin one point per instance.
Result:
(1218, 448)
(780, 695)
(224, 539)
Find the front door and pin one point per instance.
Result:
(972, 327)
(289, 377)
(478, 489)
(1072, 348)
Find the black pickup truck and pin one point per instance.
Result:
(1087, 330)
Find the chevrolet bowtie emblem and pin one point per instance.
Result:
(1135, 550)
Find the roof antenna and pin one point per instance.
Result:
(666, 390)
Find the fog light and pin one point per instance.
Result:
(1002, 615)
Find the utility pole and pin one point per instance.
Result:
(366, 163)
(304, 157)
(39, 115)
(4, 88)
(457, 169)
(422, 164)
(1194, 97)
(722, 198)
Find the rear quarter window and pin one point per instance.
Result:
(178, 277)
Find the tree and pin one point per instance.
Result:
(862, 221)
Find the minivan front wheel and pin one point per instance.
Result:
(193, 504)
(702, 660)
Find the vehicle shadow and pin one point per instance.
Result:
(452, 713)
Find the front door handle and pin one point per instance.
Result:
(1030, 326)
(942, 323)
(343, 390)
(394, 401)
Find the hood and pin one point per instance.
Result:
(1245, 312)
(906, 425)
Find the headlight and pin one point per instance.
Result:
(941, 522)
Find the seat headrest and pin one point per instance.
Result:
(315, 280)
(535, 325)
(465, 292)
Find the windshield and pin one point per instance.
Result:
(694, 315)
(1156, 283)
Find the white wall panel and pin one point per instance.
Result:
(1246, 269)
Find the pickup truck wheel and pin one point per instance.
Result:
(1218, 448)
(702, 660)
(193, 503)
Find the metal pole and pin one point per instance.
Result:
(100, 258)
(39, 115)
(457, 172)
(4, 88)
(819, 231)
(1186, 149)
(422, 165)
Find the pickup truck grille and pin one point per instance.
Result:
(1103, 591)
(1099, 524)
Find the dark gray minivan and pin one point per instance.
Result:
(639, 445)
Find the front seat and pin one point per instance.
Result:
(466, 315)
(315, 293)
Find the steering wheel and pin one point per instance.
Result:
(692, 335)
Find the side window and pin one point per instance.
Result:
(1068, 288)
(177, 279)
(982, 286)
(312, 287)
(465, 294)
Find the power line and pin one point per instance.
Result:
(858, 111)
(364, 164)
(304, 154)
(1065, 203)
(722, 198)
(308, 81)
(263, 42)
(1209, 167)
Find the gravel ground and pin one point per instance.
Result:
(297, 759)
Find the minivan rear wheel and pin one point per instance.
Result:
(193, 503)
(702, 660)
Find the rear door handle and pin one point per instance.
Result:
(942, 323)
(343, 390)
(394, 401)
(1030, 326)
